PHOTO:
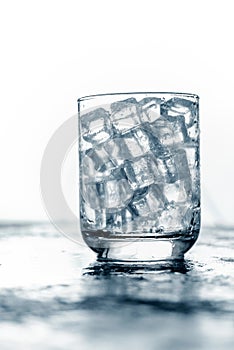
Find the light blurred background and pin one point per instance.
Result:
(53, 52)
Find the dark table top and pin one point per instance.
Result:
(55, 296)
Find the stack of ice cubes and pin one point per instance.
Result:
(138, 162)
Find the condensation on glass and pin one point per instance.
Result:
(139, 175)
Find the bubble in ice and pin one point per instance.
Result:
(180, 107)
(96, 126)
(125, 115)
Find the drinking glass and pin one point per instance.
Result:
(139, 175)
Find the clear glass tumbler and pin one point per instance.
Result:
(139, 175)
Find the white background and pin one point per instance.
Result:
(53, 52)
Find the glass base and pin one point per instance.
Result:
(138, 249)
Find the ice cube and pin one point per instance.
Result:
(91, 218)
(133, 144)
(114, 194)
(138, 142)
(125, 115)
(174, 166)
(95, 126)
(85, 146)
(188, 216)
(111, 193)
(150, 109)
(170, 131)
(193, 132)
(192, 154)
(118, 221)
(144, 139)
(180, 159)
(179, 128)
(150, 201)
(97, 164)
(90, 195)
(141, 171)
(114, 221)
(180, 107)
(176, 192)
(163, 130)
(122, 148)
(173, 218)
(167, 168)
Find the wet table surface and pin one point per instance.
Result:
(55, 296)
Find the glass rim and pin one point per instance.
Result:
(184, 94)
